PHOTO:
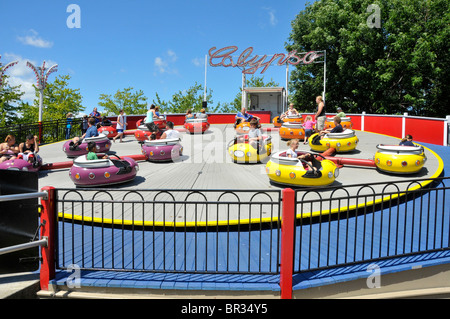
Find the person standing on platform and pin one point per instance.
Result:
(120, 126)
(340, 113)
(320, 114)
(69, 119)
(96, 115)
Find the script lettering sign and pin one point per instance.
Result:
(250, 64)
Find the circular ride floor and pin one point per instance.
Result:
(206, 165)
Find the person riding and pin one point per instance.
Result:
(9, 149)
(202, 114)
(255, 136)
(92, 149)
(243, 115)
(90, 132)
(291, 111)
(28, 150)
(308, 158)
(105, 121)
(336, 129)
(407, 141)
(189, 114)
(170, 132)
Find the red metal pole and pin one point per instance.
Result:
(352, 161)
(287, 243)
(40, 133)
(47, 230)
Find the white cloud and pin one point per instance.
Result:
(198, 62)
(160, 64)
(34, 40)
(172, 55)
(165, 64)
(272, 18)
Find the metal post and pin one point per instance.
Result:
(243, 98)
(447, 131)
(42, 74)
(47, 271)
(287, 243)
(324, 74)
(404, 124)
(285, 100)
(3, 69)
(362, 120)
(206, 59)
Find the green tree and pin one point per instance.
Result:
(10, 98)
(191, 98)
(131, 102)
(402, 66)
(58, 100)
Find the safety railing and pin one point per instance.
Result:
(46, 131)
(33, 243)
(281, 232)
(189, 231)
(338, 226)
(45, 241)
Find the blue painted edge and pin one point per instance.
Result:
(362, 271)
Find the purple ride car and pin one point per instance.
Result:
(162, 150)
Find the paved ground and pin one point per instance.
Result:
(206, 164)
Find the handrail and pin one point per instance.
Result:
(13, 197)
(42, 242)
(37, 243)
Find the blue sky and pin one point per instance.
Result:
(153, 46)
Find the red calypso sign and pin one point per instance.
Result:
(252, 64)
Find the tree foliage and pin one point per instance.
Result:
(130, 102)
(9, 99)
(402, 66)
(191, 98)
(59, 99)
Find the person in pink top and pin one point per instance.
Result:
(309, 127)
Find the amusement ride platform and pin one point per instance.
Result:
(206, 165)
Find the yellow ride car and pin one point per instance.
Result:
(297, 172)
(341, 142)
(400, 159)
(278, 121)
(243, 151)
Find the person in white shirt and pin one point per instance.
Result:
(290, 112)
(120, 126)
(170, 132)
(255, 136)
(202, 114)
(291, 152)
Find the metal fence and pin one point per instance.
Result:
(47, 131)
(235, 232)
(373, 222)
(204, 231)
